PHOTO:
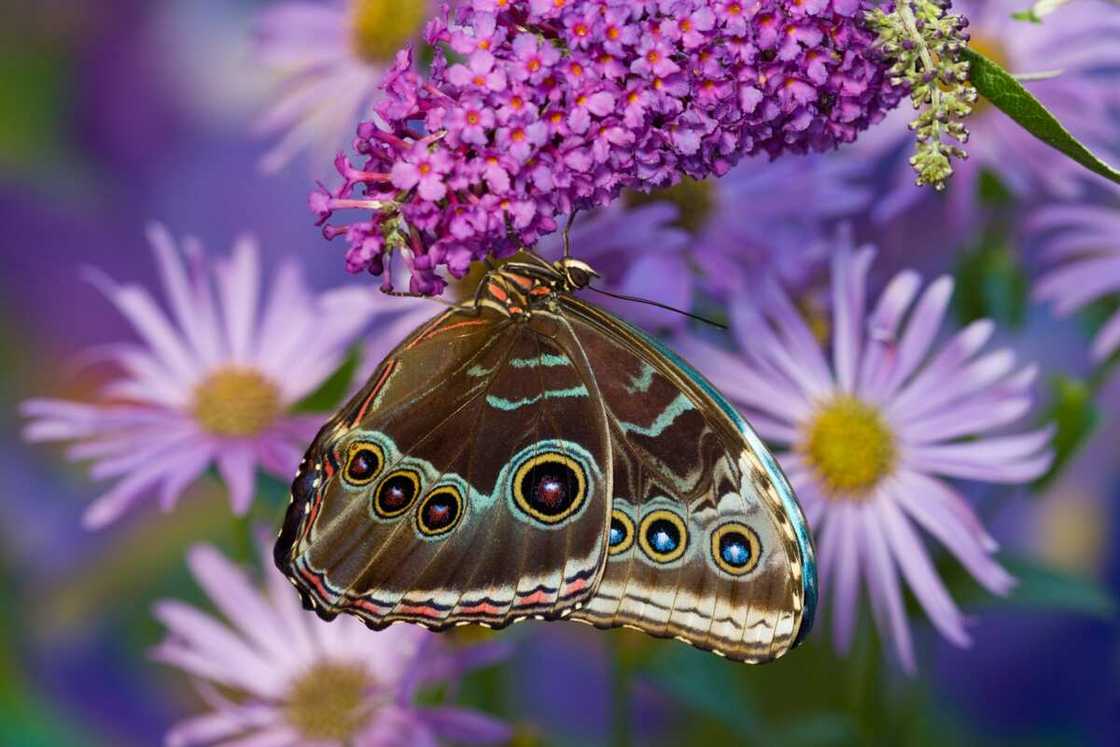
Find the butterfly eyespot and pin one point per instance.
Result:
(396, 493)
(440, 511)
(550, 487)
(364, 460)
(663, 536)
(620, 537)
(736, 548)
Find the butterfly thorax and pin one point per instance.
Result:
(518, 288)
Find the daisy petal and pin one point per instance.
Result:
(916, 567)
(882, 584)
(944, 514)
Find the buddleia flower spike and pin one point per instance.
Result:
(925, 42)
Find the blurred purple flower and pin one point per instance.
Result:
(296, 680)
(629, 95)
(211, 384)
(726, 235)
(1080, 45)
(1084, 243)
(868, 436)
(328, 57)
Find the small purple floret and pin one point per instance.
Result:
(561, 105)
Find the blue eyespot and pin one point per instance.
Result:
(735, 552)
(736, 548)
(621, 534)
(664, 536)
(663, 541)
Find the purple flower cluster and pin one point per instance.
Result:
(535, 109)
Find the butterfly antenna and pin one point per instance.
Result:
(566, 237)
(667, 307)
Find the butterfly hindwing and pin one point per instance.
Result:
(703, 547)
(480, 491)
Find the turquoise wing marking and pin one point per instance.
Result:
(789, 502)
(505, 404)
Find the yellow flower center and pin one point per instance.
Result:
(236, 402)
(381, 27)
(329, 702)
(850, 448)
(695, 201)
(995, 51)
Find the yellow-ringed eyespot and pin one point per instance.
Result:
(620, 536)
(440, 511)
(663, 536)
(736, 548)
(396, 493)
(550, 487)
(364, 460)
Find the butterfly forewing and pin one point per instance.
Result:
(467, 482)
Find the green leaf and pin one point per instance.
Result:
(1009, 96)
(706, 685)
(1044, 587)
(991, 283)
(329, 395)
(1075, 416)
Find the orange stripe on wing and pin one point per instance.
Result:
(327, 596)
(425, 611)
(483, 608)
(368, 605)
(389, 366)
(438, 329)
(572, 587)
(530, 600)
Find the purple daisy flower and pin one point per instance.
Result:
(328, 58)
(1083, 242)
(1073, 51)
(213, 383)
(300, 681)
(869, 437)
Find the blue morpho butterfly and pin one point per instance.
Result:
(528, 454)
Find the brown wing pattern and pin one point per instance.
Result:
(505, 464)
(467, 482)
(701, 549)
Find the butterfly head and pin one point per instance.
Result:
(577, 274)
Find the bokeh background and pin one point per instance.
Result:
(114, 113)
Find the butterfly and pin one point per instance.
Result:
(530, 455)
